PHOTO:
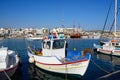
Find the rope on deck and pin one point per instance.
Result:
(100, 67)
(7, 75)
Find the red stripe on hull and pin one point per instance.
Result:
(106, 50)
(8, 68)
(9, 72)
(63, 63)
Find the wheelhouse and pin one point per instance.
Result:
(54, 47)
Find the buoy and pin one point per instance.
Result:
(10, 52)
(98, 49)
(113, 41)
(11, 66)
(74, 49)
(31, 59)
(113, 51)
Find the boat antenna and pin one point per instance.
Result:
(73, 35)
(79, 28)
(63, 25)
(106, 19)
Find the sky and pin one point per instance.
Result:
(88, 14)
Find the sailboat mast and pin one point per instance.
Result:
(115, 14)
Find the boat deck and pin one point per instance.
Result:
(76, 56)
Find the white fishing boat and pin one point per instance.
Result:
(108, 48)
(54, 57)
(112, 47)
(8, 63)
(34, 38)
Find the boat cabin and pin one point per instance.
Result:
(54, 47)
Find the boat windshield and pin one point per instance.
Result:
(57, 44)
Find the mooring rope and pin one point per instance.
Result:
(113, 21)
(66, 71)
(100, 67)
(7, 75)
(106, 19)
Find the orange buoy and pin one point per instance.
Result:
(113, 41)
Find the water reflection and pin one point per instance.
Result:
(113, 60)
(106, 62)
(39, 74)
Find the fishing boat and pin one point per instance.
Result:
(8, 63)
(111, 47)
(55, 57)
(108, 48)
(32, 37)
(77, 35)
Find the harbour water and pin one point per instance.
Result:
(99, 66)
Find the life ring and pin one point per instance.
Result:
(113, 41)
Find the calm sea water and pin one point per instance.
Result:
(100, 64)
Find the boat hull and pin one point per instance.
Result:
(72, 68)
(12, 61)
(9, 72)
(109, 52)
(52, 64)
(105, 51)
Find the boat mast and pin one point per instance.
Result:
(115, 14)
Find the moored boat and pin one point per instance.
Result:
(77, 35)
(9, 62)
(54, 57)
(111, 47)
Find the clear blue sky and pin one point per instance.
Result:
(90, 14)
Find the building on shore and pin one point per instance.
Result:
(36, 33)
(69, 32)
(41, 32)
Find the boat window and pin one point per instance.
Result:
(113, 44)
(46, 45)
(57, 44)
